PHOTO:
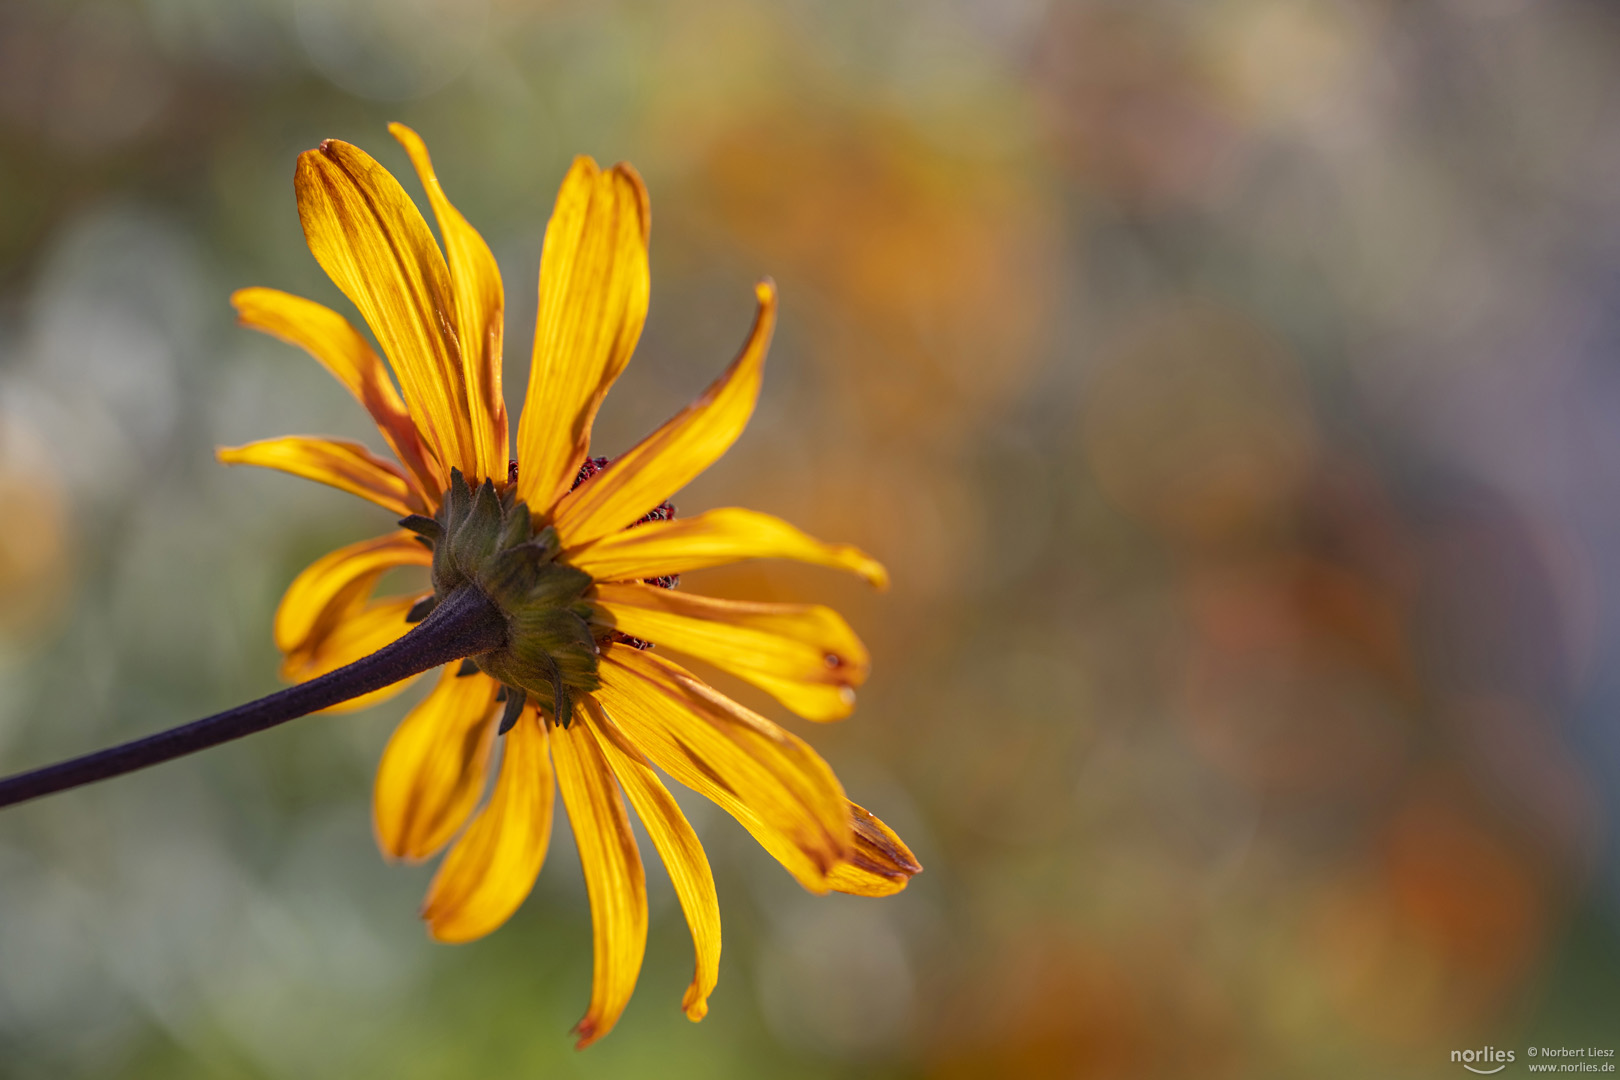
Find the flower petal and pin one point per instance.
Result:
(769, 780)
(475, 279)
(614, 878)
(593, 302)
(329, 338)
(371, 240)
(345, 465)
(880, 864)
(492, 867)
(805, 655)
(432, 770)
(334, 586)
(713, 538)
(691, 441)
(379, 623)
(677, 845)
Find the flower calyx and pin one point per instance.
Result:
(486, 538)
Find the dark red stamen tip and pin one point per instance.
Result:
(589, 468)
(664, 511)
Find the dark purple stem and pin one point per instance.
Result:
(464, 624)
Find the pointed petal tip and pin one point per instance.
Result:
(327, 148)
(881, 864)
(588, 1031)
(627, 172)
(695, 1006)
(443, 932)
(876, 574)
(385, 845)
(402, 856)
(389, 853)
(583, 165)
(412, 142)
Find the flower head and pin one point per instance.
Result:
(580, 554)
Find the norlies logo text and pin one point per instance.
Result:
(1485, 1056)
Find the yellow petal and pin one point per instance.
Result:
(820, 702)
(492, 867)
(345, 465)
(880, 864)
(713, 538)
(769, 780)
(593, 301)
(432, 771)
(334, 586)
(691, 441)
(805, 655)
(371, 240)
(677, 845)
(328, 337)
(379, 623)
(475, 279)
(613, 875)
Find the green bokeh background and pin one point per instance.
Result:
(1230, 387)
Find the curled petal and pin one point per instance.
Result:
(328, 337)
(492, 866)
(475, 279)
(593, 302)
(691, 441)
(379, 623)
(880, 863)
(678, 846)
(614, 879)
(371, 240)
(803, 654)
(345, 465)
(336, 585)
(432, 770)
(713, 538)
(766, 778)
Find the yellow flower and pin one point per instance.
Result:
(595, 554)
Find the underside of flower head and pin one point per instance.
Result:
(486, 539)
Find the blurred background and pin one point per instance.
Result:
(1232, 387)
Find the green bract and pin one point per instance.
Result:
(487, 540)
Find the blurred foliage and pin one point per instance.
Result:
(1230, 387)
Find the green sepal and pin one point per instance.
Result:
(425, 527)
(457, 499)
(518, 528)
(422, 609)
(478, 536)
(514, 709)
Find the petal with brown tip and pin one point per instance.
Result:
(614, 879)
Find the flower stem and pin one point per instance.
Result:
(464, 624)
